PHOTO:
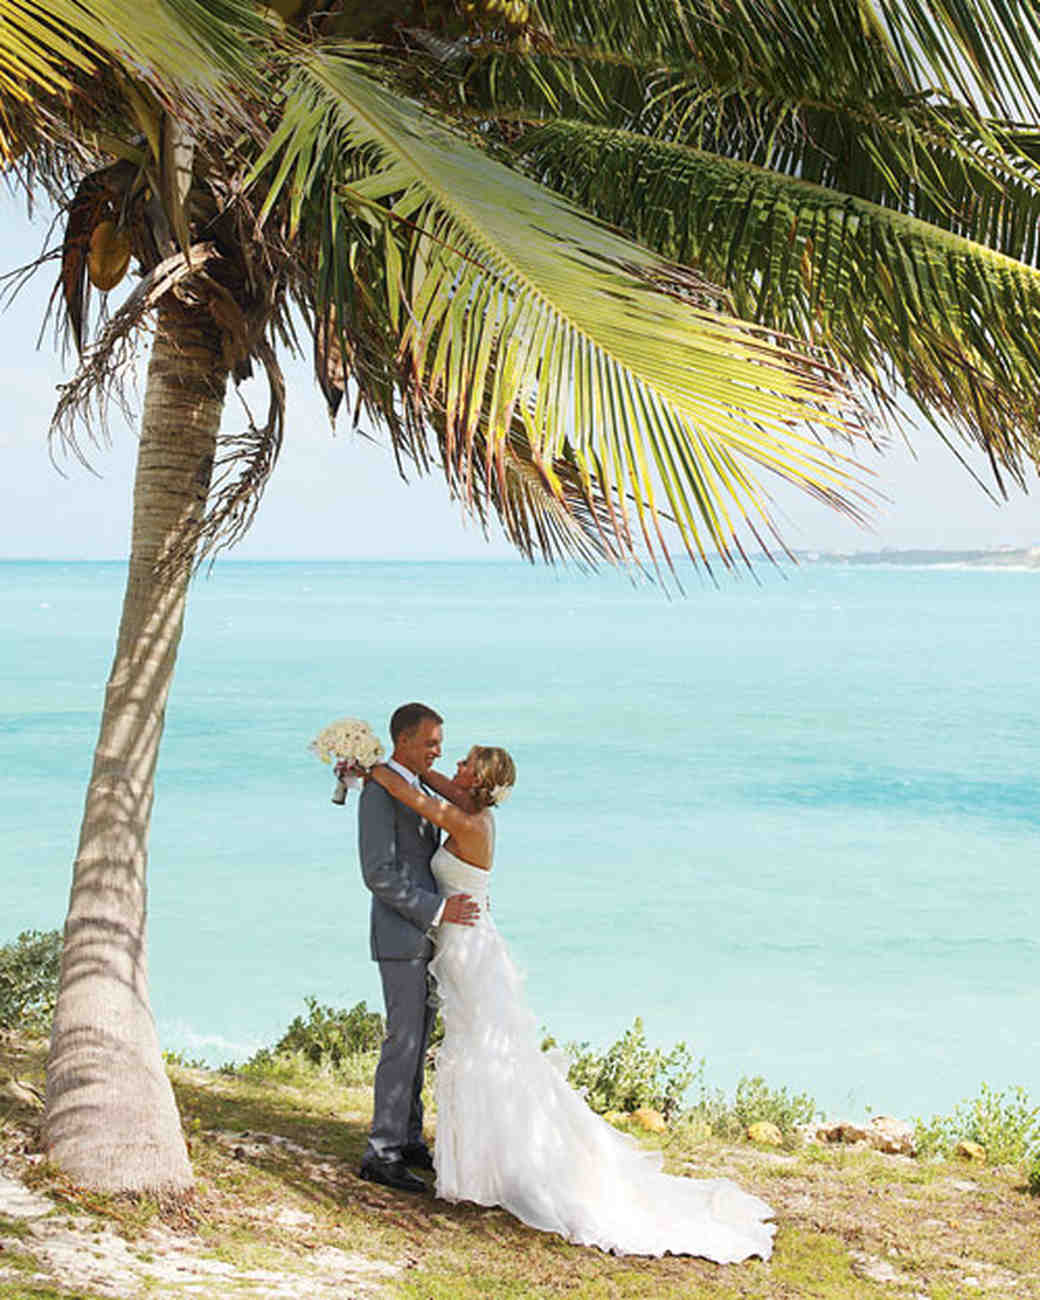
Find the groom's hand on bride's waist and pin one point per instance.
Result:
(460, 909)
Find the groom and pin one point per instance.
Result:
(396, 846)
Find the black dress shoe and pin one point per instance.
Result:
(416, 1155)
(390, 1173)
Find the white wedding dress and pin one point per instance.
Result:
(512, 1132)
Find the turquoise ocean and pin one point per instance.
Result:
(793, 821)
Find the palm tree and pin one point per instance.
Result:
(61, 66)
(470, 325)
(556, 372)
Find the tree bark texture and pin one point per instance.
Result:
(111, 1121)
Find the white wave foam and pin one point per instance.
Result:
(179, 1036)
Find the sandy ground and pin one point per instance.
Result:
(77, 1252)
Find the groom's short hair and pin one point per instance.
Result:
(408, 717)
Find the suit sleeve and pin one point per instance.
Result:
(377, 848)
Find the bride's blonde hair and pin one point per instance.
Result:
(495, 772)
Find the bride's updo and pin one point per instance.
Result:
(496, 775)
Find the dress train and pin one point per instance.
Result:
(512, 1132)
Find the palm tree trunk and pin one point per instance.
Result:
(111, 1121)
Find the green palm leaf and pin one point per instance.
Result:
(986, 53)
(509, 305)
(549, 513)
(899, 299)
(824, 92)
(192, 52)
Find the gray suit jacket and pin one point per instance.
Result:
(395, 847)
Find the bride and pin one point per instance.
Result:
(510, 1129)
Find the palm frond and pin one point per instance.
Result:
(823, 92)
(975, 177)
(985, 54)
(507, 303)
(190, 53)
(987, 50)
(549, 512)
(972, 176)
(903, 302)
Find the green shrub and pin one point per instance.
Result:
(330, 1040)
(29, 970)
(753, 1101)
(1034, 1175)
(330, 1035)
(185, 1062)
(1003, 1123)
(934, 1137)
(712, 1114)
(629, 1074)
(434, 1041)
(296, 1068)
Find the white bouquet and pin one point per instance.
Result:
(351, 740)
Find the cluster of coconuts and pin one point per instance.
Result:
(108, 256)
(512, 14)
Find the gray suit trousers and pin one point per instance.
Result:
(398, 1116)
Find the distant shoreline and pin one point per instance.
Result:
(1024, 558)
(1012, 558)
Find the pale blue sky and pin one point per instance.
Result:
(339, 496)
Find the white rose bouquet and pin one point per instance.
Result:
(351, 740)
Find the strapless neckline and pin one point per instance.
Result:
(484, 871)
(456, 876)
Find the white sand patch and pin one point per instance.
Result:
(79, 1253)
(18, 1202)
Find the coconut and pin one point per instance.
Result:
(109, 255)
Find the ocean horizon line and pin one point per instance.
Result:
(909, 556)
(291, 559)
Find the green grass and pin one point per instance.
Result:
(841, 1211)
(833, 1204)
(30, 1289)
(14, 1228)
(26, 1265)
(20, 1261)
